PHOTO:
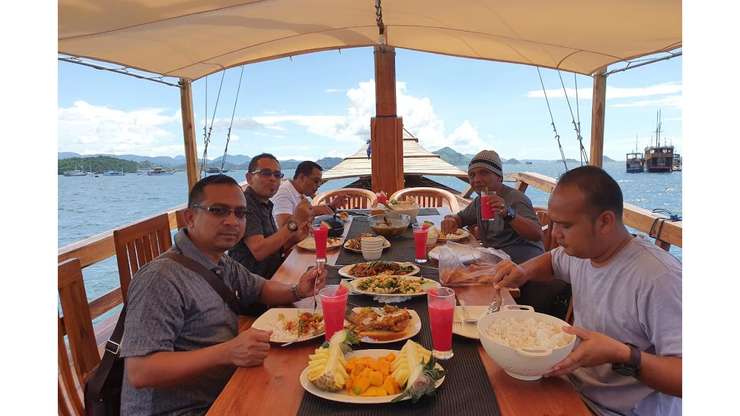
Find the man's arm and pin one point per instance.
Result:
(660, 373)
(278, 293)
(282, 219)
(262, 247)
(526, 228)
(511, 275)
(170, 368)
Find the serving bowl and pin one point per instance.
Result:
(389, 224)
(522, 363)
(408, 208)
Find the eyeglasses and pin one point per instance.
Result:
(222, 211)
(267, 172)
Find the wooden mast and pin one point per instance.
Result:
(598, 108)
(188, 132)
(386, 127)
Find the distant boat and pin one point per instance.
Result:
(659, 158)
(75, 172)
(527, 162)
(635, 162)
(215, 171)
(113, 173)
(157, 171)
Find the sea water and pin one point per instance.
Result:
(90, 205)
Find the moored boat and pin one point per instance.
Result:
(158, 171)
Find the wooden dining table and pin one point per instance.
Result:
(274, 389)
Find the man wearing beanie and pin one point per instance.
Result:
(515, 228)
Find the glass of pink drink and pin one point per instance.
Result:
(420, 243)
(486, 213)
(333, 304)
(441, 305)
(320, 236)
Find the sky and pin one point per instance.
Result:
(317, 105)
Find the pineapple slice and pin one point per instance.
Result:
(326, 365)
(412, 354)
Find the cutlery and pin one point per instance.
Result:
(466, 318)
(496, 303)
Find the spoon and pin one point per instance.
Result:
(466, 318)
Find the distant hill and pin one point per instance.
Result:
(97, 164)
(452, 156)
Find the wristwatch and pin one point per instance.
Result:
(510, 214)
(292, 225)
(632, 367)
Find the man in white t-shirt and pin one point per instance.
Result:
(306, 181)
(626, 300)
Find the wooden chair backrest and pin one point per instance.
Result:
(70, 391)
(138, 244)
(180, 218)
(77, 323)
(358, 198)
(429, 197)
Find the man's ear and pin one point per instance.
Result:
(189, 216)
(606, 222)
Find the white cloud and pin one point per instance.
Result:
(333, 90)
(669, 101)
(612, 92)
(88, 129)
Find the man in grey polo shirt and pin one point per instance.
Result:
(626, 300)
(515, 228)
(181, 342)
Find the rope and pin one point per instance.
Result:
(203, 165)
(233, 112)
(552, 120)
(660, 222)
(379, 22)
(576, 126)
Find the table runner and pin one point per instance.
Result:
(422, 211)
(466, 389)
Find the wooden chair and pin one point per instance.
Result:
(180, 218)
(429, 197)
(77, 362)
(138, 244)
(358, 198)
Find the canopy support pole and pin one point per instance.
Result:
(597, 119)
(386, 128)
(188, 132)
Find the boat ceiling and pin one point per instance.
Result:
(416, 161)
(191, 39)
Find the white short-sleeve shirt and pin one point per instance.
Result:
(285, 200)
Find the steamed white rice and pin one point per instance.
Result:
(530, 333)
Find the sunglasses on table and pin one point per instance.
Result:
(222, 211)
(267, 172)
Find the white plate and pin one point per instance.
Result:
(344, 271)
(309, 243)
(468, 330)
(270, 321)
(454, 237)
(426, 285)
(468, 254)
(386, 244)
(411, 330)
(346, 398)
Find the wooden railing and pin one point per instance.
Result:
(666, 233)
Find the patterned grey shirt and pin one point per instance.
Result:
(171, 308)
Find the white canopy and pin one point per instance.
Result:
(191, 39)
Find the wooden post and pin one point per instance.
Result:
(386, 128)
(188, 132)
(597, 119)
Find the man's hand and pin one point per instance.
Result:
(497, 204)
(311, 279)
(595, 349)
(449, 224)
(302, 212)
(249, 348)
(509, 275)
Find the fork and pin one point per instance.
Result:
(496, 303)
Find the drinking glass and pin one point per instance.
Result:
(486, 213)
(420, 243)
(333, 304)
(320, 236)
(441, 306)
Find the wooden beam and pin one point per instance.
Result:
(598, 110)
(633, 216)
(188, 132)
(386, 128)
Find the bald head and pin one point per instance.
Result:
(600, 191)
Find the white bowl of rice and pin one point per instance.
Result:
(526, 344)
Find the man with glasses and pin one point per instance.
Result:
(181, 342)
(264, 245)
(305, 183)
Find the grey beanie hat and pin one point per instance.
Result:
(487, 159)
